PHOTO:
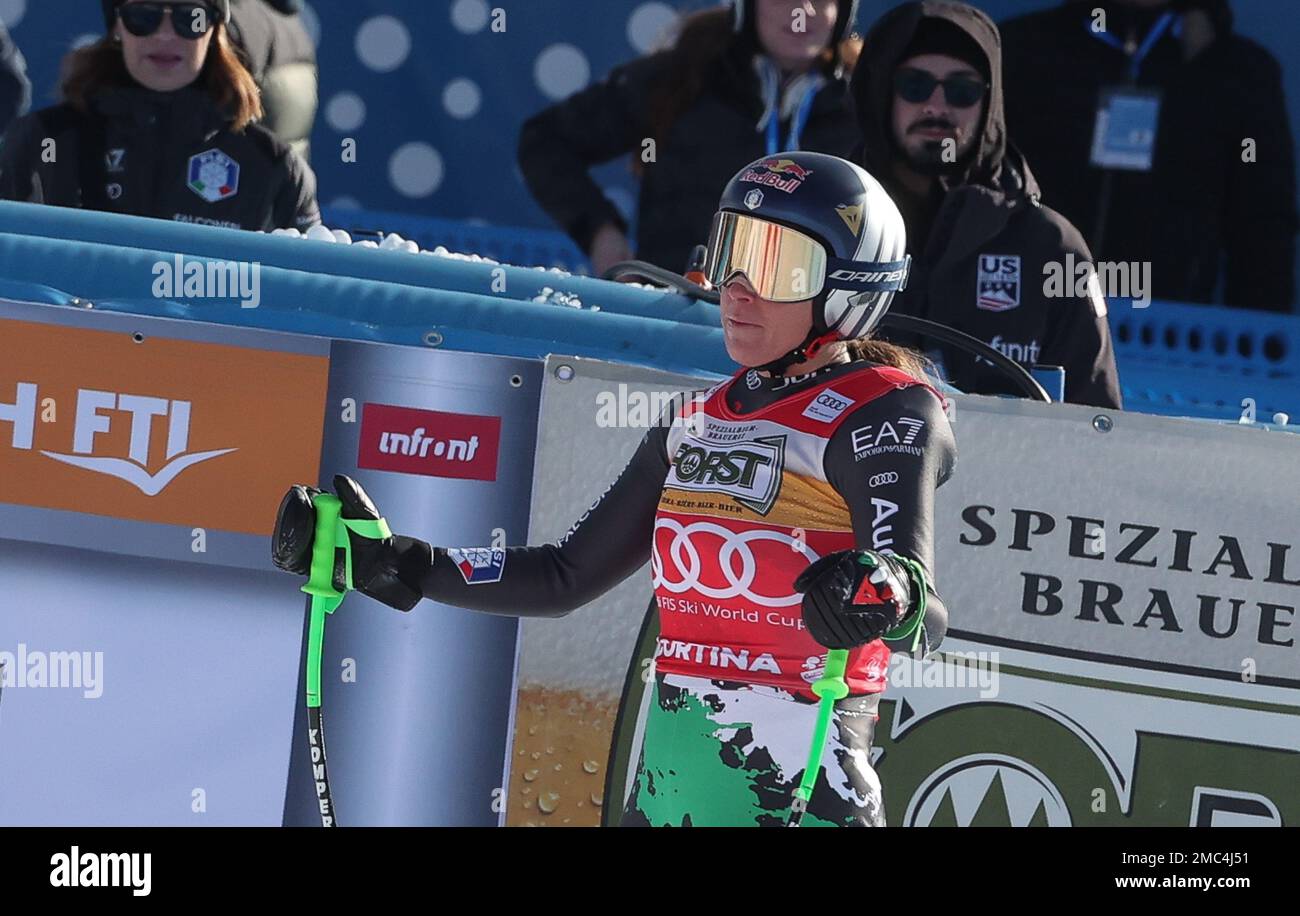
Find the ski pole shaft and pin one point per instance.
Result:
(829, 687)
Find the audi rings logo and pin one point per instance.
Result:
(883, 479)
(732, 554)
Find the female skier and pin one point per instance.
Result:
(806, 481)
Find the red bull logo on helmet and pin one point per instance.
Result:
(783, 174)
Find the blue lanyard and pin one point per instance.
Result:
(797, 124)
(1157, 32)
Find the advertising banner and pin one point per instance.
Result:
(571, 670)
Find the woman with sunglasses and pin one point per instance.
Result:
(785, 511)
(158, 119)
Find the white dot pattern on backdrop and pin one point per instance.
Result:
(469, 16)
(346, 111)
(462, 98)
(383, 43)
(415, 169)
(560, 71)
(82, 40)
(311, 22)
(345, 203)
(12, 12)
(648, 24)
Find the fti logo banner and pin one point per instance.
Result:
(155, 430)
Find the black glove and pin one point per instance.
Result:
(852, 597)
(389, 570)
(295, 529)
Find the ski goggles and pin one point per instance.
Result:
(786, 265)
(190, 20)
(916, 86)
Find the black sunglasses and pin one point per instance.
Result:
(190, 20)
(917, 86)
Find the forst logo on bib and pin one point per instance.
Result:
(997, 283)
(750, 474)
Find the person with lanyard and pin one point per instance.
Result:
(738, 83)
(786, 512)
(159, 119)
(1164, 137)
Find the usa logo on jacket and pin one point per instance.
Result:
(214, 176)
(997, 285)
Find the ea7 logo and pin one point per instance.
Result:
(91, 421)
(902, 431)
(750, 474)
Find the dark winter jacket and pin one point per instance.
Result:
(1202, 214)
(15, 87)
(707, 144)
(280, 55)
(982, 267)
(167, 155)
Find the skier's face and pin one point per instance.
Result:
(163, 61)
(934, 133)
(795, 32)
(757, 330)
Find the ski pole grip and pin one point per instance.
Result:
(831, 683)
(321, 579)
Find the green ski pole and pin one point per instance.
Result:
(829, 687)
(330, 537)
(832, 686)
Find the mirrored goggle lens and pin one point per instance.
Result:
(782, 265)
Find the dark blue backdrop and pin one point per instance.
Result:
(434, 97)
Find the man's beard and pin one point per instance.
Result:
(930, 160)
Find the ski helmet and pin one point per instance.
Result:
(220, 7)
(803, 225)
(743, 15)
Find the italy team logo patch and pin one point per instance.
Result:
(478, 564)
(214, 176)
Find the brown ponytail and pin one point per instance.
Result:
(887, 354)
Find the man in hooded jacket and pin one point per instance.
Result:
(987, 257)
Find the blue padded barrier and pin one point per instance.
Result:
(427, 272)
(371, 309)
(1205, 361)
(1175, 359)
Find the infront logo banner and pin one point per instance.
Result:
(159, 430)
(435, 443)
